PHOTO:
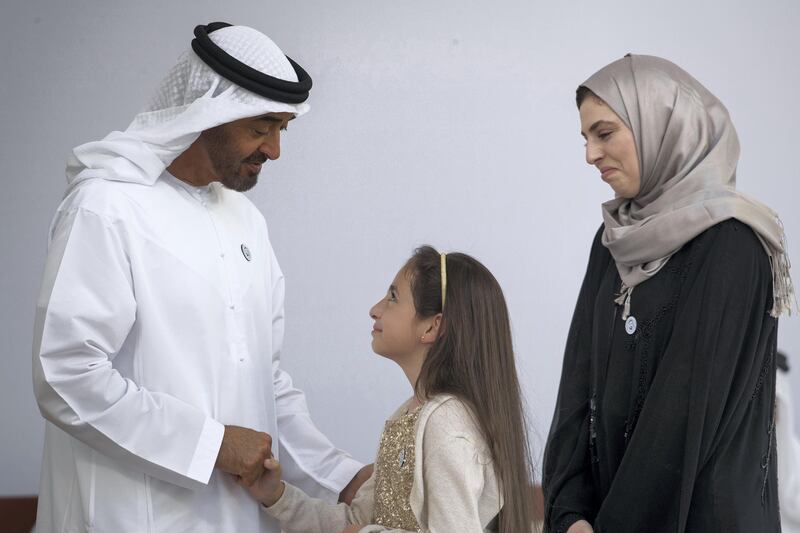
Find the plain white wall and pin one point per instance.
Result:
(451, 123)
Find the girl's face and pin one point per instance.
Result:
(397, 331)
(610, 147)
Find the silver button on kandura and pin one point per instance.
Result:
(246, 252)
(630, 325)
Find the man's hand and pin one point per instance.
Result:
(269, 488)
(352, 528)
(243, 452)
(349, 492)
(581, 526)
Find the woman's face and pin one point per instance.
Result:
(610, 147)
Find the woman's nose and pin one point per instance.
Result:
(593, 153)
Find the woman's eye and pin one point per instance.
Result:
(605, 135)
(259, 132)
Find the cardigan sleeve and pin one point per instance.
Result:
(299, 513)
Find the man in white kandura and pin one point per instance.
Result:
(157, 343)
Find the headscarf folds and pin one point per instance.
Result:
(191, 98)
(688, 152)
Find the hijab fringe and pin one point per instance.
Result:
(782, 286)
(784, 296)
(624, 299)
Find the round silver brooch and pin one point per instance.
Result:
(246, 252)
(630, 325)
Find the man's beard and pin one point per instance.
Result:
(230, 169)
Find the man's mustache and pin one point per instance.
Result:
(257, 159)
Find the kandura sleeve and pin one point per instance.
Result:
(84, 313)
(306, 452)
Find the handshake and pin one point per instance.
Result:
(247, 454)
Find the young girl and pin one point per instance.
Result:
(453, 458)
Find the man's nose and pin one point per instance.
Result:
(271, 147)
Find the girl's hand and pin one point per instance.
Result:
(267, 489)
(352, 528)
(581, 526)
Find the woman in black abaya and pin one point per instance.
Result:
(665, 418)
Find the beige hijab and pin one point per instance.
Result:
(688, 151)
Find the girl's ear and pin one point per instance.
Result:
(432, 331)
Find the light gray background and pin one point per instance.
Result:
(447, 122)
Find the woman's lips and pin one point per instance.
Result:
(607, 171)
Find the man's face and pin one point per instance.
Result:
(237, 149)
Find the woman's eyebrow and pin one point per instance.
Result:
(599, 124)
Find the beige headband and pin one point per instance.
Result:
(443, 261)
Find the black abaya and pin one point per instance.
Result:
(669, 427)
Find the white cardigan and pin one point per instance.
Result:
(455, 487)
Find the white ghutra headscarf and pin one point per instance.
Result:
(688, 152)
(190, 99)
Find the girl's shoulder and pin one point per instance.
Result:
(446, 407)
(445, 417)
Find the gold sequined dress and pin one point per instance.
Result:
(433, 457)
(394, 473)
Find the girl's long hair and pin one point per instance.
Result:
(473, 359)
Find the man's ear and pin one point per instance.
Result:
(434, 324)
